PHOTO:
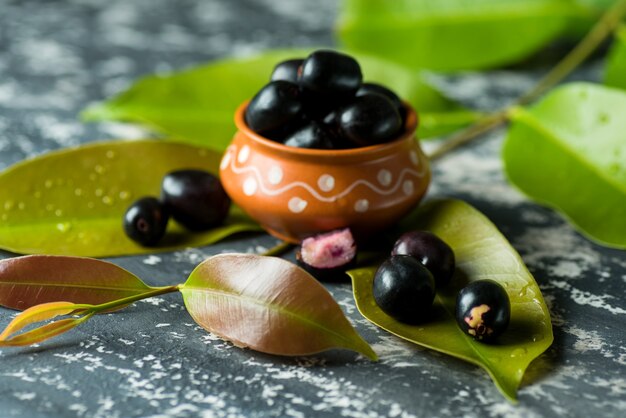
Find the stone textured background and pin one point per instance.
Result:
(151, 360)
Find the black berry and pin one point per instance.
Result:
(404, 289)
(312, 135)
(429, 250)
(275, 105)
(483, 310)
(370, 119)
(195, 198)
(373, 88)
(145, 221)
(287, 70)
(330, 75)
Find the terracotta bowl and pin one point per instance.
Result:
(295, 192)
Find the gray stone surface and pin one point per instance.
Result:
(151, 360)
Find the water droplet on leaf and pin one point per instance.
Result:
(64, 226)
(518, 352)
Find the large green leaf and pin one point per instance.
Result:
(269, 305)
(71, 202)
(481, 253)
(615, 72)
(197, 105)
(455, 34)
(569, 152)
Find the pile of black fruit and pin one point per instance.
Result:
(405, 283)
(321, 102)
(193, 198)
(420, 262)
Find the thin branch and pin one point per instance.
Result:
(607, 24)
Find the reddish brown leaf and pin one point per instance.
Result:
(269, 305)
(31, 280)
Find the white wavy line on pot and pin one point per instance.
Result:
(254, 170)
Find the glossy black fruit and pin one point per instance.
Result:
(404, 289)
(483, 310)
(195, 198)
(274, 106)
(313, 135)
(327, 256)
(145, 221)
(431, 251)
(370, 119)
(373, 88)
(330, 75)
(287, 70)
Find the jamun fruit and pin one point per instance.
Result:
(328, 255)
(483, 310)
(404, 289)
(274, 106)
(287, 70)
(145, 221)
(195, 198)
(313, 135)
(330, 75)
(431, 251)
(374, 88)
(370, 119)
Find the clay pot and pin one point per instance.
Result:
(294, 192)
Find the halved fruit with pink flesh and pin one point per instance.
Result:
(327, 256)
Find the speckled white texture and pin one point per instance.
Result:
(152, 360)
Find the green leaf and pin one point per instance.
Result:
(71, 202)
(454, 34)
(481, 253)
(615, 72)
(35, 279)
(269, 305)
(197, 105)
(569, 152)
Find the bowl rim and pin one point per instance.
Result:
(410, 127)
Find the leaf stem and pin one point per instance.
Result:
(482, 126)
(598, 33)
(155, 291)
(280, 248)
(55, 328)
